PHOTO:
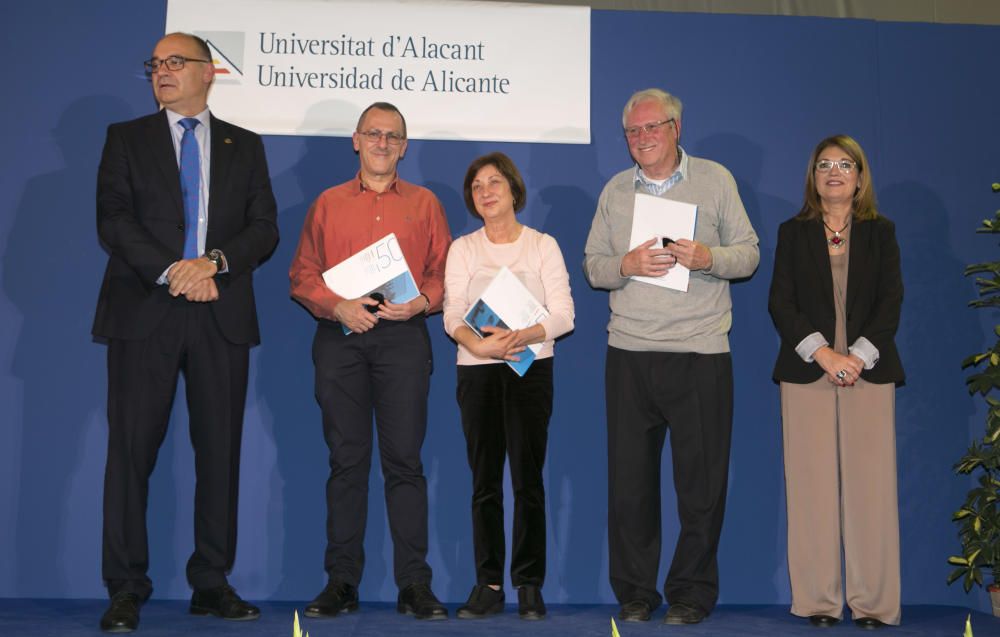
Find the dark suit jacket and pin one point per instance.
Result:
(140, 219)
(801, 298)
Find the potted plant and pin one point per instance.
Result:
(979, 516)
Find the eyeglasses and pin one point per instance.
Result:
(374, 136)
(826, 165)
(173, 62)
(633, 131)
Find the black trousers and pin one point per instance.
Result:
(385, 371)
(648, 393)
(506, 416)
(142, 381)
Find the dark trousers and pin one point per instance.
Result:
(648, 393)
(504, 415)
(142, 381)
(385, 371)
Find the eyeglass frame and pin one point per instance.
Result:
(374, 136)
(153, 64)
(845, 166)
(632, 132)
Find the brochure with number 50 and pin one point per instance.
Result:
(381, 267)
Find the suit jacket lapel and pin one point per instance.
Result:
(162, 147)
(816, 240)
(223, 149)
(859, 245)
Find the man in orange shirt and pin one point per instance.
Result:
(383, 367)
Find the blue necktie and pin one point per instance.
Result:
(190, 186)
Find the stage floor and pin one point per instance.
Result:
(76, 618)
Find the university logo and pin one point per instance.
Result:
(227, 54)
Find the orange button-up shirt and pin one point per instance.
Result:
(348, 218)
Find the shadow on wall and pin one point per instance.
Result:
(756, 457)
(441, 166)
(52, 245)
(933, 410)
(568, 184)
(296, 516)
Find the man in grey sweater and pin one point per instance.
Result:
(668, 364)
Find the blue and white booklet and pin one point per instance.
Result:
(656, 217)
(506, 303)
(381, 268)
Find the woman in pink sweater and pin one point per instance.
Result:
(504, 414)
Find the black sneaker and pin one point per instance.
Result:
(530, 604)
(336, 598)
(483, 601)
(418, 600)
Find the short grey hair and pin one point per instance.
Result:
(670, 103)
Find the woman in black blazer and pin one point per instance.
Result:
(835, 300)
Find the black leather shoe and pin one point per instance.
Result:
(483, 601)
(122, 615)
(418, 600)
(530, 604)
(635, 611)
(869, 623)
(823, 621)
(684, 612)
(336, 598)
(223, 602)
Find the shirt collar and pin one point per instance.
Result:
(680, 174)
(204, 117)
(361, 187)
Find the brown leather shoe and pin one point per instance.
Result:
(635, 611)
(684, 612)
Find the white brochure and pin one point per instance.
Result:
(379, 268)
(656, 217)
(506, 303)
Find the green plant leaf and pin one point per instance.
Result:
(955, 574)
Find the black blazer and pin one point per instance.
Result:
(801, 297)
(140, 219)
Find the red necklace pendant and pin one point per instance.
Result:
(837, 242)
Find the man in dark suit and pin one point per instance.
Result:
(184, 206)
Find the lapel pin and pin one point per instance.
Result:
(227, 141)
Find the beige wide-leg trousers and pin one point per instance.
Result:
(840, 481)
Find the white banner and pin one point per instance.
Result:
(484, 71)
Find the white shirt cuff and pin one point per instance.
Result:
(809, 345)
(864, 350)
(163, 280)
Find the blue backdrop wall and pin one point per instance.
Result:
(759, 93)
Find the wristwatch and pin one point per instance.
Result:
(215, 256)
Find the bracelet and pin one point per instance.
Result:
(428, 300)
